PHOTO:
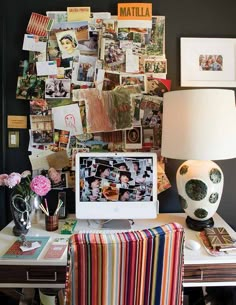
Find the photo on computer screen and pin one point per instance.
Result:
(116, 179)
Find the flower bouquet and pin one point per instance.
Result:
(24, 189)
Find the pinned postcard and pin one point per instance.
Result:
(34, 43)
(68, 118)
(78, 13)
(46, 68)
(39, 24)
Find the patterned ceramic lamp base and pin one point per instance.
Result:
(200, 186)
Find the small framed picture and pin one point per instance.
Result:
(208, 62)
(133, 138)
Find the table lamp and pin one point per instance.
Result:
(199, 125)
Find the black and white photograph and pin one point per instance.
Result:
(57, 88)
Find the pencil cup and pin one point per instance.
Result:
(51, 222)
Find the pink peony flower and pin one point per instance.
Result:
(12, 180)
(40, 185)
(3, 177)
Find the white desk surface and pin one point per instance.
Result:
(190, 256)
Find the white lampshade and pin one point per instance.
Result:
(199, 124)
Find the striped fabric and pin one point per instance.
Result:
(133, 268)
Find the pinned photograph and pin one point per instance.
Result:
(157, 86)
(90, 45)
(132, 80)
(84, 70)
(30, 87)
(57, 88)
(39, 107)
(110, 81)
(58, 179)
(155, 65)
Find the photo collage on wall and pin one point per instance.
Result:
(116, 179)
(94, 83)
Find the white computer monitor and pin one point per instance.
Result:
(116, 185)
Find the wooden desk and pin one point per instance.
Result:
(200, 269)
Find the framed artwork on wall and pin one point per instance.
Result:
(208, 62)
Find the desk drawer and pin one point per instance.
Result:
(32, 274)
(210, 273)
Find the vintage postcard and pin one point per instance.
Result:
(43, 122)
(132, 80)
(109, 29)
(155, 65)
(80, 27)
(46, 68)
(57, 16)
(34, 43)
(113, 55)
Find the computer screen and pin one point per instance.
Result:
(116, 185)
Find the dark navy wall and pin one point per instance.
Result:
(184, 18)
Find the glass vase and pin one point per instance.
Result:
(35, 201)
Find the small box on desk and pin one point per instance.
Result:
(68, 226)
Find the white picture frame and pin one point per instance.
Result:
(208, 62)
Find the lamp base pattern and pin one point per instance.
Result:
(200, 186)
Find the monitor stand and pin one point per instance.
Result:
(116, 224)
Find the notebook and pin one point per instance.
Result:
(218, 237)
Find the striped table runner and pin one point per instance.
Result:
(142, 267)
